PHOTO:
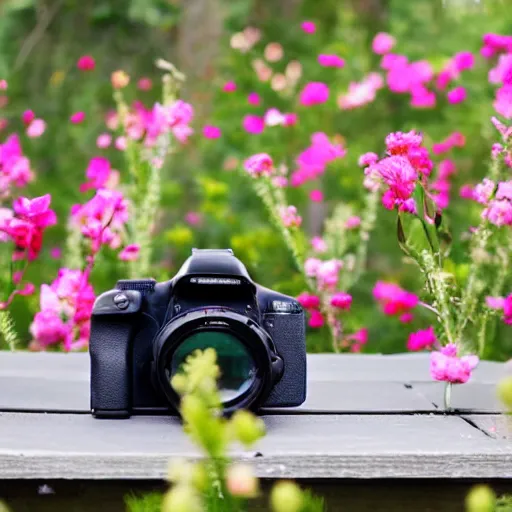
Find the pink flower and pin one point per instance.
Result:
(229, 87)
(463, 60)
(130, 253)
(308, 27)
(211, 132)
(259, 164)
(319, 244)
(314, 93)
(311, 266)
(367, 159)
(505, 131)
(393, 299)
(273, 117)
(499, 213)
(48, 328)
(121, 143)
(446, 366)
(341, 300)
(457, 95)
(253, 99)
(383, 43)
(330, 61)
(86, 63)
(56, 253)
(5, 216)
(308, 301)
(290, 119)
(483, 191)
(401, 143)
(359, 339)
(504, 190)
(361, 93)
(316, 319)
(290, 217)
(104, 140)
(353, 222)
(317, 196)
(327, 273)
(145, 84)
(98, 174)
(36, 128)
(77, 117)
(467, 192)
(27, 117)
(503, 102)
(3, 85)
(253, 124)
(37, 211)
(504, 304)
(422, 340)
(193, 218)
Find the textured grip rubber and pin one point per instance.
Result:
(289, 335)
(110, 353)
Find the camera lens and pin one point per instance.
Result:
(237, 367)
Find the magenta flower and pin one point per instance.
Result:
(311, 266)
(317, 196)
(319, 244)
(211, 132)
(98, 174)
(422, 340)
(308, 27)
(446, 366)
(358, 339)
(457, 95)
(330, 60)
(145, 84)
(394, 300)
(463, 61)
(503, 101)
(86, 63)
(361, 93)
(3, 85)
(253, 99)
(259, 165)
(229, 87)
(36, 211)
(341, 300)
(316, 320)
(314, 93)
(290, 119)
(27, 117)
(504, 304)
(253, 124)
(36, 128)
(383, 43)
(327, 274)
(290, 217)
(308, 301)
(402, 143)
(77, 117)
(130, 253)
(48, 328)
(193, 218)
(368, 159)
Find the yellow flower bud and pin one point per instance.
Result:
(286, 497)
(179, 383)
(241, 481)
(182, 498)
(504, 390)
(247, 427)
(481, 498)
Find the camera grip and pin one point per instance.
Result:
(110, 352)
(289, 334)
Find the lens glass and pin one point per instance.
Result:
(237, 367)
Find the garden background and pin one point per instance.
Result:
(205, 201)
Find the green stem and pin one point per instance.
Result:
(448, 396)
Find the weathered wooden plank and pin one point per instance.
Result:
(472, 396)
(402, 368)
(54, 395)
(332, 446)
(497, 426)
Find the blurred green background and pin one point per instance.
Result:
(41, 40)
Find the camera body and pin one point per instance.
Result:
(138, 327)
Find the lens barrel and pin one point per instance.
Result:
(246, 355)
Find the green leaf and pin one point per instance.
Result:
(418, 232)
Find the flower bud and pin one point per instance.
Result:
(120, 79)
(504, 390)
(179, 383)
(286, 497)
(180, 471)
(241, 481)
(481, 498)
(247, 428)
(182, 498)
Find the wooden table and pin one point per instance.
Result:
(366, 417)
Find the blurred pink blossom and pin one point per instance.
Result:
(330, 60)
(145, 84)
(253, 124)
(314, 93)
(259, 165)
(97, 173)
(86, 63)
(229, 87)
(211, 132)
(456, 95)
(341, 300)
(27, 117)
(290, 217)
(104, 140)
(316, 320)
(253, 98)
(316, 196)
(383, 43)
(77, 117)
(130, 253)
(353, 222)
(394, 300)
(193, 218)
(36, 128)
(422, 340)
(308, 301)
(308, 27)
(319, 244)
(445, 365)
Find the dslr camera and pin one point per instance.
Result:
(142, 332)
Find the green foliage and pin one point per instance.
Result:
(8, 334)
(147, 503)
